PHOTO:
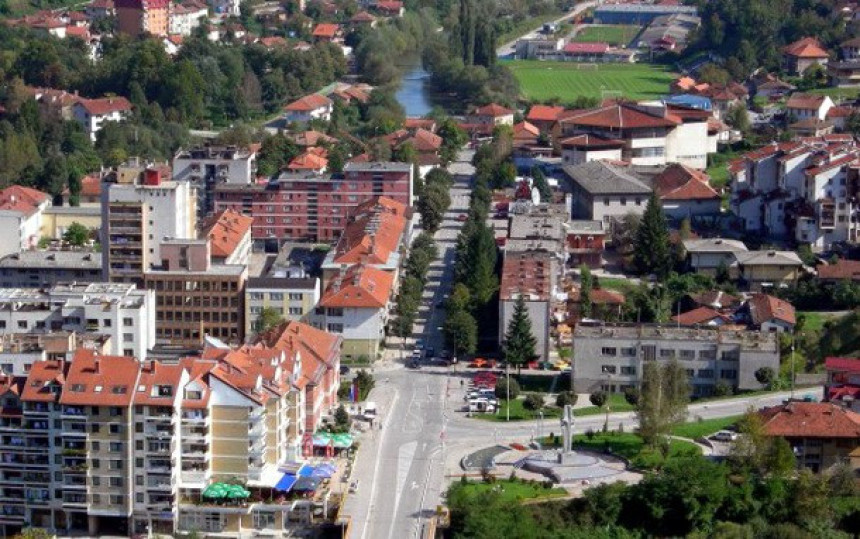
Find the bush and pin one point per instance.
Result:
(631, 395)
(502, 388)
(723, 389)
(598, 398)
(765, 376)
(566, 398)
(534, 402)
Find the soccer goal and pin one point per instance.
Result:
(587, 67)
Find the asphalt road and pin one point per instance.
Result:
(508, 49)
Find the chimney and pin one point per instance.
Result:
(152, 365)
(96, 366)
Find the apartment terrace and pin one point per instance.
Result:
(746, 339)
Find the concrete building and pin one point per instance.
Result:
(139, 210)
(355, 306)
(686, 193)
(185, 17)
(292, 298)
(142, 17)
(707, 255)
(207, 166)
(493, 114)
(56, 220)
(612, 357)
(21, 210)
(586, 242)
(808, 107)
(804, 53)
(124, 313)
(606, 192)
(539, 48)
(312, 207)
(529, 275)
(44, 269)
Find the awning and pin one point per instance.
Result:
(307, 484)
(286, 482)
(306, 471)
(325, 439)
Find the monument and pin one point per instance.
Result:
(566, 454)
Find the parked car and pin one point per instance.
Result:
(353, 487)
(344, 369)
(725, 436)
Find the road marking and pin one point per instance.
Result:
(374, 481)
(404, 462)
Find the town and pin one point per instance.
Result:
(388, 269)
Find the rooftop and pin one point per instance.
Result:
(699, 315)
(53, 259)
(807, 47)
(714, 245)
(843, 269)
(377, 166)
(226, 232)
(764, 308)
(602, 178)
(280, 283)
(811, 420)
(526, 274)
(360, 286)
(748, 340)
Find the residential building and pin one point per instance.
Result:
(185, 17)
(586, 241)
(21, 210)
(355, 306)
(805, 106)
(293, 298)
(313, 207)
(605, 192)
(139, 210)
(228, 8)
(229, 235)
(142, 17)
(309, 107)
(195, 297)
(544, 117)
(326, 32)
(56, 220)
(580, 149)
(389, 8)
(90, 194)
(44, 269)
(611, 357)
(762, 270)
(121, 311)
(707, 256)
(207, 166)
(686, 193)
(822, 435)
(715, 299)
(842, 385)
(93, 113)
(768, 313)
(702, 316)
(98, 9)
(842, 270)
(812, 127)
(653, 133)
(493, 114)
(529, 275)
(638, 13)
(804, 53)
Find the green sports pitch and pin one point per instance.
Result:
(565, 81)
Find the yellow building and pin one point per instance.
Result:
(57, 219)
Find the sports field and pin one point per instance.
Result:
(620, 34)
(541, 81)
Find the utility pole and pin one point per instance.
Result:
(792, 365)
(508, 391)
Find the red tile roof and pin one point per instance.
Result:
(100, 380)
(544, 113)
(810, 420)
(319, 349)
(842, 364)
(843, 269)
(273, 41)
(716, 299)
(308, 103)
(372, 235)
(105, 105)
(525, 130)
(361, 287)
(21, 199)
(808, 47)
(599, 296)
(424, 123)
(590, 141)
(389, 6)
(308, 161)
(764, 307)
(45, 381)
(363, 16)
(804, 101)
(684, 83)
(227, 231)
(527, 274)
(155, 378)
(679, 182)
(698, 316)
(620, 116)
(586, 48)
(313, 138)
(493, 109)
(425, 141)
(326, 30)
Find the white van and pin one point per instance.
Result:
(481, 405)
(369, 410)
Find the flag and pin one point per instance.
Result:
(353, 392)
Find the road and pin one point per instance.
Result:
(508, 49)
(400, 466)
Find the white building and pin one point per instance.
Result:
(93, 113)
(184, 18)
(21, 211)
(207, 166)
(804, 106)
(539, 48)
(309, 107)
(121, 311)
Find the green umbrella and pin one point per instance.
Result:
(216, 490)
(235, 492)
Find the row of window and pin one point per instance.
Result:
(197, 316)
(194, 286)
(279, 310)
(668, 353)
(276, 296)
(196, 301)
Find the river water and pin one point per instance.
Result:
(414, 92)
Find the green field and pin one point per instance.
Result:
(614, 35)
(543, 81)
(815, 319)
(706, 427)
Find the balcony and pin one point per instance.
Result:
(74, 500)
(193, 418)
(194, 476)
(159, 432)
(159, 465)
(74, 411)
(156, 483)
(195, 433)
(77, 428)
(75, 481)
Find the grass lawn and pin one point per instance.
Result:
(698, 429)
(632, 447)
(620, 34)
(718, 168)
(541, 81)
(518, 413)
(510, 491)
(617, 403)
(622, 285)
(527, 25)
(815, 319)
(837, 93)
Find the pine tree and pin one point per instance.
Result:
(520, 342)
(652, 250)
(481, 266)
(541, 184)
(585, 284)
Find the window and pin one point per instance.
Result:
(258, 296)
(128, 322)
(728, 374)
(334, 312)
(96, 463)
(296, 310)
(78, 388)
(115, 447)
(690, 372)
(116, 499)
(96, 446)
(335, 328)
(688, 354)
(606, 201)
(115, 429)
(115, 464)
(116, 481)
(297, 297)
(707, 354)
(22, 324)
(608, 369)
(630, 371)
(128, 336)
(94, 428)
(106, 322)
(705, 373)
(276, 296)
(732, 355)
(116, 411)
(608, 351)
(138, 497)
(96, 480)
(623, 201)
(667, 354)
(629, 352)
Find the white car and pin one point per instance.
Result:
(725, 436)
(353, 487)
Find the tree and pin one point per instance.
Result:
(505, 175)
(722, 273)
(631, 395)
(663, 398)
(585, 286)
(598, 398)
(461, 332)
(520, 342)
(738, 118)
(566, 398)
(754, 451)
(453, 139)
(269, 318)
(534, 402)
(503, 390)
(432, 204)
(77, 234)
(765, 376)
(652, 250)
(341, 419)
(541, 184)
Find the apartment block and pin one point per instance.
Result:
(313, 207)
(528, 275)
(291, 298)
(140, 208)
(141, 17)
(120, 311)
(44, 269)
(207, 166)
(612, 357)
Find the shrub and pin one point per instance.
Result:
(566, 398)
(722, 389)
(631, 395)
(502, 388)
(598, 398)
(534, 402)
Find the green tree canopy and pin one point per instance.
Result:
(520, 343)
(77, 234)
(652, 250)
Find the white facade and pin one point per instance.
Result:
(121, 311)
(224, 164)
(688, 144)
(576, 156)
(355, 325)
(182, 21)
(225, 7)
(304, 116)
(92, 123)
(21, 230)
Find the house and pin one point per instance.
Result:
(716, 299)
(308, 162)
(803, 54)
(842, 385)
(580, 149)
(805, 106)
(822, 435)
(311, 138)
(21, 210)
(701, 316)
(93, 113)
(363, 19)
(768, 269)
(605, 192)
(769, 313)
(185, 17)
(91, 191)
(842, 270)
(605, 304)
(839, 115)
(707, 256)
(142, 17)
(389, 8)
(309, 107)
(493, 114)
(772, 87)
(273, 42)
(355, 306)
(686, 192)
(544, 117)
(845, 73)
(585, 243)
(326, 32)
(812, 127)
